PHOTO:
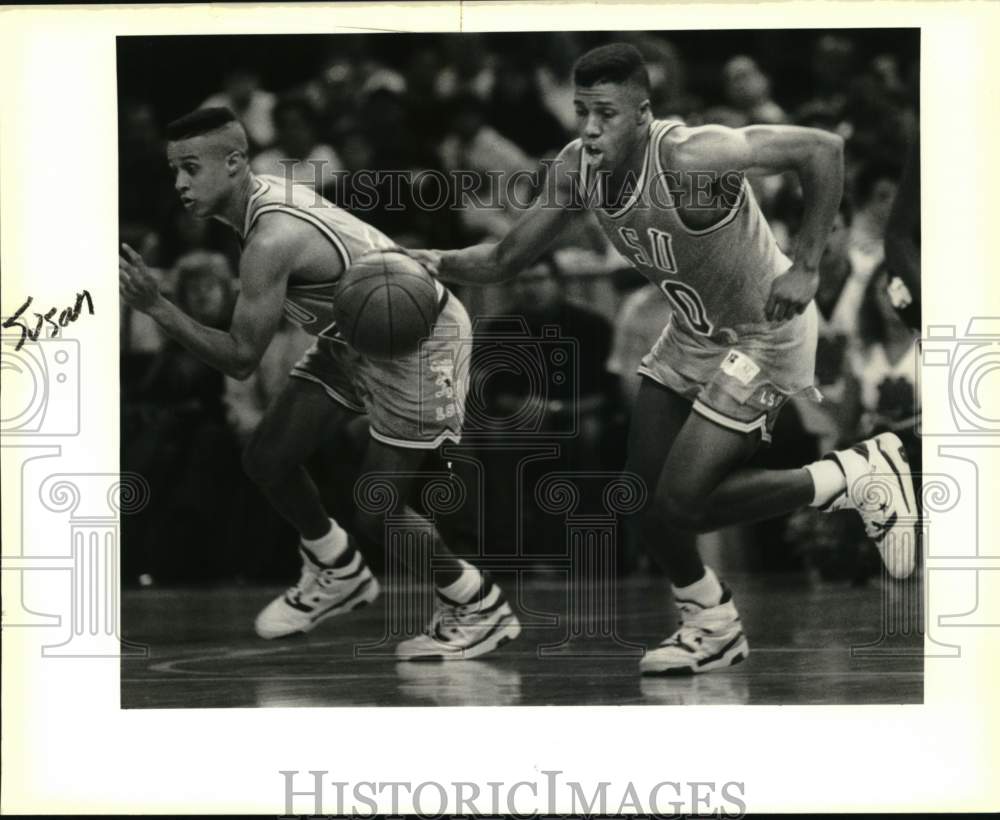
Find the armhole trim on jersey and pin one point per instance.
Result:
(659, 173)
(733, 213)
(664, 127)
(640, 185)
(262, 188)
(582, 167)
(323, 228)
(729, 217)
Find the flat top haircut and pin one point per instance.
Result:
(219, 122)
(618, 63)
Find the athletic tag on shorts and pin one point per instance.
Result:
(741, 367)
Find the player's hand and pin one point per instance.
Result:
(431, 260)
(791, 293)
(138, 286)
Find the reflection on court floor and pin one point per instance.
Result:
(203, 653)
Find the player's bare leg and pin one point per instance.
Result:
(299, 419)
(657, 418)
(335, 578)
(715, 491)
(472, 616)
(703, 487)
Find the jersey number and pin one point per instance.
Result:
(660, 255)
(686, 299)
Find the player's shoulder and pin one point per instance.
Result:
(274, 234)
(685, 146)
(676, 134)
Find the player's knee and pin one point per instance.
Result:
(673, 511)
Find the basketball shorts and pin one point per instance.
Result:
(740, 384)
(415, 401)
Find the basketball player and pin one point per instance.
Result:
(296, 247)
(740, 343)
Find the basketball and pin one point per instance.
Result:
(386, 304)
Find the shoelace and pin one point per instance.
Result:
(687, 634)
(449, 620)
(306, 580)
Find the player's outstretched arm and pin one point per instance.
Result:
(817, 157)
(527, 240)
(236, 352)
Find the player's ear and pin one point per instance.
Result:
(644, 112)
(235, 162)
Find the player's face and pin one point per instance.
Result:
(201, 175)
(610, 119)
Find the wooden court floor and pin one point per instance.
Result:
(810, 643)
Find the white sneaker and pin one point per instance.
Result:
(463, 631)
(322, 592)
(708, 638)
(880, 490)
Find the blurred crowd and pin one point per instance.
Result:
(500, 104)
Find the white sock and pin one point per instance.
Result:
(706, 591)
(329, 547)
(466, 586)
(828, 480)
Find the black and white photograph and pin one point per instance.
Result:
(521, 368)
(499, 408)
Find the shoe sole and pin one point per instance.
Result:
(734, 655)
(507, 632)
(370, 593)
(890, 448)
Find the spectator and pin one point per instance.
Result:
(179, 441)
(334, 93)
(428, 109)
(299, 154)
(560, 406)
(252, 104)
(668, 95)
(832, 68)
(875, 189)
(748, 91)
(881, 366)
(475, 146)
(884, 363)
(555, 80)
(145, 188)
(516, 110)
(469, 69)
